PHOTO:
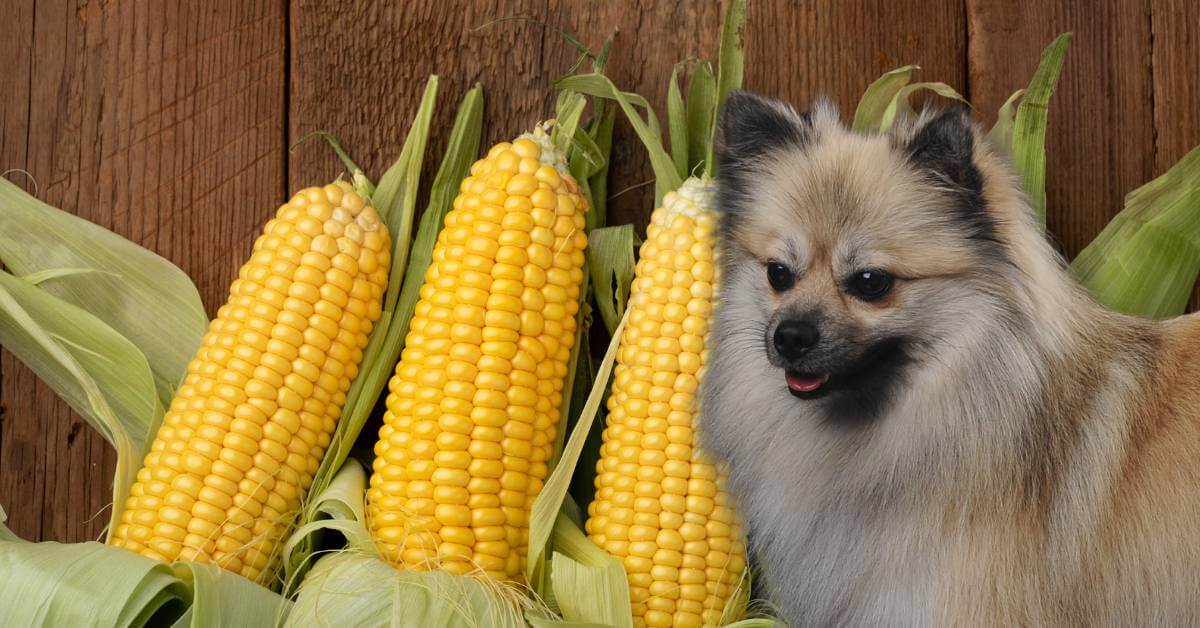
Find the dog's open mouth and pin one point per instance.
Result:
(806, 385)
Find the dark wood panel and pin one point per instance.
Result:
(1176, 59)
(1100, 141)
(163, 122)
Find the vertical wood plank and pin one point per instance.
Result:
(160, 121)
(14, 114)
(1100, 141)
(835, 48)
(1176, 37)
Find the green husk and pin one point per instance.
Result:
(579, 565)
(97, 371)
(137, 293)
(611, 250)
(1029, 130)
(1146, 259)
(900, 106)
(91, 584)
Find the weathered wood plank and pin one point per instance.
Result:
(161, 121)
(1100, 141)
(1176, 36)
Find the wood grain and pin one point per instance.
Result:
(169, 122)
(162, 122)
(1101, 130)
(1176, 35)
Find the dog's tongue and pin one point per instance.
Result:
(805, 383)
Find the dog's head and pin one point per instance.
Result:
(848, 255)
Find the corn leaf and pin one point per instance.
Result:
(1001, 135)
(900, 105)
(548, 502)
(91, 584)
(879, 97)
(353, 589)
(1029, 129)
(647, 129)
(578, 566)
(701, 116)
(611, 262)
(140, 295)
(1146, 259)
(729, 67)
(98, 372)
(601, 133)
(677, 123)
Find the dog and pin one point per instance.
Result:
(927, 421)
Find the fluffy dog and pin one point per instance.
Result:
(926, 419)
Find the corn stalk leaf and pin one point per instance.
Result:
(1029, 129)
(701, 116)
(395, 197)
(729, 68)
(92, 584)
(1146, 259)
(98, 372)
(1001, 135)
(601, 132)
(388, 336)
(140, 295)
(677, 123)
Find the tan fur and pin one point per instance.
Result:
(1038, 466)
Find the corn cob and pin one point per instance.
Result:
(661, 506)
(246, 431)
(474, 403)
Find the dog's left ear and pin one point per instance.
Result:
(751, 126)
(945, 146)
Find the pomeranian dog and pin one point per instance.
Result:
(927, 421)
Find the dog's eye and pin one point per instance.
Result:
(780, 277)
(869, 285)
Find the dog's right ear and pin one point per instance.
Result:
(752, 126)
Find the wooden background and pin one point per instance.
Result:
(169, 121)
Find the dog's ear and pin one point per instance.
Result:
(751, 126)
(945, 146)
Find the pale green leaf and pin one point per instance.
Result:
(677, 123)
(98, 372)
(900, 105)
(339, 509)
(647, 129)
(1001, 135)
(395, 197)
(879, 97)
(1146, 259)
(142, 296)
(701, 117)
(611, 262)
(597, 184)
(1029, 130)
(589, 584)
(91, 584)
(729, 65)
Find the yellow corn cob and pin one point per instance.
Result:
(661, 505)
(239, 445)
(474, 402)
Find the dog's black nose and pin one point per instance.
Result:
(794, 338)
